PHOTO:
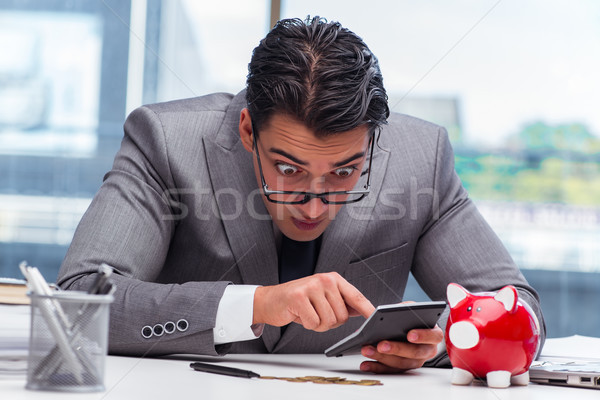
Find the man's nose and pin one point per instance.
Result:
(318, 185)
(314, 208)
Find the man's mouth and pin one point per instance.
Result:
(306, 225)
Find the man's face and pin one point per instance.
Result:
(294, 159)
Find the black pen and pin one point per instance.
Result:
(218, 369)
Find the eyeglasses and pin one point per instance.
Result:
(297, 197)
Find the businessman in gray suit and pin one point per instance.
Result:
(271, 220)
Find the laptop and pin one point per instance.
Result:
(576, 373)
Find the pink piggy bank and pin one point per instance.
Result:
(490, 335)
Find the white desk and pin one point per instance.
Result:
(173, 379)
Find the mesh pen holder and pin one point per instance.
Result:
(68, 342)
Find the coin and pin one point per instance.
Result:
(327, 380)
(369, 383)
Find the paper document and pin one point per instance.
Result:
(574, 347)
(14, 338)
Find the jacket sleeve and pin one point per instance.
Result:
(457, 244)
(124, 227)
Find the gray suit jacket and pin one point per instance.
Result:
(180, 217)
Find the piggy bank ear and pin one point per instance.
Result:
(508, 297)
(455, 294)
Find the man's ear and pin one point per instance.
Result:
(245, 128)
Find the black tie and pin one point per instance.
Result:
(297, 259)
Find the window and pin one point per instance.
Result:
(63, 78)
(515, 84)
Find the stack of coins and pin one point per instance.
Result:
(328, 380)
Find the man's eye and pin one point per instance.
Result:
(286, 169)
(344, 172)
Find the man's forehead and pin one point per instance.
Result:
(289, 131)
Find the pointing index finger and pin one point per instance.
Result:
(357, 303)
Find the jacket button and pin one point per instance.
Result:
(169, 327)
(147, 332)
(158, 330)
(182, 325)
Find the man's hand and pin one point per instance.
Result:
(400, 356)
(318, 302)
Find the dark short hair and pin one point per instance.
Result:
(318, 72)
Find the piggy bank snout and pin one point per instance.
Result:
(463, 335)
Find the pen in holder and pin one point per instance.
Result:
(69, 332)
(68, 342)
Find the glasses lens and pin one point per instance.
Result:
(343, 198)
(299, 198)
(286, 197)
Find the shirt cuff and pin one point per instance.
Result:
(234, 315)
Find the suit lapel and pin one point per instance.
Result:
(246, 221)
(343, 235)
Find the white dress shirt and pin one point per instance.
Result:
(234, 315)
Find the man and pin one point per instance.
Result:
(263, 222)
